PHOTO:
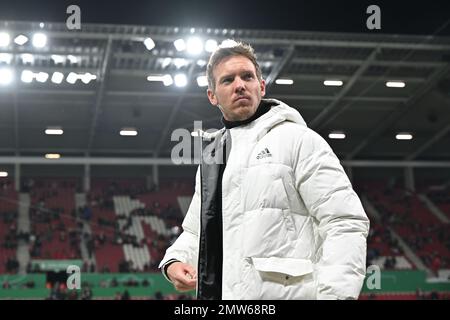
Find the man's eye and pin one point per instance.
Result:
(227, 80)
(248, 76)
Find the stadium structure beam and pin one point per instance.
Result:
(315, 123)
(401, 111)
(173, 113)
(440, 134)
(326, 41)
(275, 95)
(358, 62)
(100, 93)
(25, 160)
(295, 76)
(82, 150)
(288, 54)
(202, 95)
(16, 122)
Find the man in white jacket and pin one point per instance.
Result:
(278, 217)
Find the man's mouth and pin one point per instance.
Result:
(242, 98)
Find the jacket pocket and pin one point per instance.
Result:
(268, 232)
(285, 271)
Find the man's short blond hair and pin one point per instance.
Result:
(227, 49)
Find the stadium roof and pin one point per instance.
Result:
(92, 114)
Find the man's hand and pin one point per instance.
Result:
(182, 275)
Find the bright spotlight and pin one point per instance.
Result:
(27, 58)
(57, 77)
(333, 83)
(149, 43)
(42, 77)
(180, 80)
(395, 84)
(72, 58)
(337, 135)
(52, 156)
(54, 131)
(20, 40)
(404, 136)
(27, 76)
(179, 44)
(131, 132)
(87, 77)
(6, 76)
(39, 40)
(4, 39)
(202, 81)
(57, 58)
(194, 46)
(228, 43)
(210, 45)
(180, 62)
(167, 80)
(6, 58)
(284, 81)
(72, 78)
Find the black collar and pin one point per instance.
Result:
(264, 106)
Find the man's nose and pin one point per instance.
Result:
(239, 85)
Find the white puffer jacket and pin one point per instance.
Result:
(293, 228)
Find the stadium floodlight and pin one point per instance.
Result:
(152, 78)
(27, 58)
(6, 58)
(284, 81)
(179, 44)
(337, 135)
(42, 77)
(202, 81)
(57, 77)
(5, 39)
(3, 174)
(58, 59)
(210, 45)
(201, 63)
(72, 58)
(149, 43)
(166, 62)
(129, 132)
(57, 131)
(27, 76)
(72, 78)
(87, 77)
(180, 62)
(52, 156)
(167, 80)
(6, 76)
(395, 84)
(194, 46)
(404, 136)
(180, 80)
(39, 40)
(333, 83)
(228, 43)
(20, 40)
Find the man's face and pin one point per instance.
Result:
(238, 91)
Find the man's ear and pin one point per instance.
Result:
(212, 97)
(263, 87)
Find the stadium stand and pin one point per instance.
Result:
(132, 226)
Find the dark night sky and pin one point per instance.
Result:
(397, 16)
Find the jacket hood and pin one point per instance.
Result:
(279, 113)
